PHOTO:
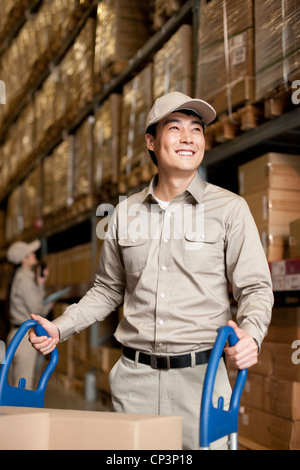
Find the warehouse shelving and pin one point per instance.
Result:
(281, 133)
(278, 134)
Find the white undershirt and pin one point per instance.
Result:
(162, 204)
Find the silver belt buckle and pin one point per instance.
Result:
(153, 364)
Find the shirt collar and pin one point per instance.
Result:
(195, 189)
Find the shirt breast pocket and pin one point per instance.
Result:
(134, 252)
(202, 252)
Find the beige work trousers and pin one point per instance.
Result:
(137, 388)
(23, 363)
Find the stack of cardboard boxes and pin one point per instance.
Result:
(225, 68)
(271, 186)
(277, 46)
(270, 409)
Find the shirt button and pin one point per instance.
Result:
(162, 294)
(161, 322)
(169, 214)
(165, 240)
(163, 268)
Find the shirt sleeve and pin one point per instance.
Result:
(248, 272)
(33, 295)
(106, 294)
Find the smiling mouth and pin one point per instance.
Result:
(185, 153)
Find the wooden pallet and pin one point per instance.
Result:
(138, 176)
(227, 127)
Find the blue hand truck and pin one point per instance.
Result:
(217, 422)
(20, 396)
(214, 422)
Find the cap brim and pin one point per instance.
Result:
(204, 110)
(34, 246)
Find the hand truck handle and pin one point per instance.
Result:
(216, 422)
(19, 396)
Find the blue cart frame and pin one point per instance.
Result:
(217, 422)
(214, 422)
(19, 396)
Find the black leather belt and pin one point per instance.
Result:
(167, 362)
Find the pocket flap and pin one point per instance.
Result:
(204, 237)
(133, 241)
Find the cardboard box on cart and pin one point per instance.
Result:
(51, 429)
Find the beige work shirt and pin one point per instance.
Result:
(172, 268)
(26, 297)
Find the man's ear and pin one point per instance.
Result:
(149, 141)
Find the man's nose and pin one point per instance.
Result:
(186, 137)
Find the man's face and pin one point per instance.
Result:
(179, 143)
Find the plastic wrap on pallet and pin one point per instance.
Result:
(136, 104)
(225, 66)
(84, 57)
(62, 176)
(173, 64)
(31, 199)
(28, 52)
(45, 108)
(277, 40)
(107, 141)
(14, 223)
(123, 27)
(82, 159)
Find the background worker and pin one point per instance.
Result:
(25, 296)
(168, 255)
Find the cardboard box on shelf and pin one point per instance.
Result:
(269, 430)
(275, 246)
(225, 68)
(86, 430)
(285, 325)
(274, 207)
(135, 162)
(264, 365)
(106, 141)
(294, 239)
(277, 49)
(254, 392)
(286, 361)
(173, 64)
(283, 398)
(272, 170)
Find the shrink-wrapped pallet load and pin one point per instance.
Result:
(123, 27)
(173, 64)
(225, 67)
(135, 163)
(82, 160)
(106, 137)
(277, 46)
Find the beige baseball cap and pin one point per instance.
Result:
(19, 250)
(175, 101)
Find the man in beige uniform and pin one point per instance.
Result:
(26, 296)
(168, 255)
